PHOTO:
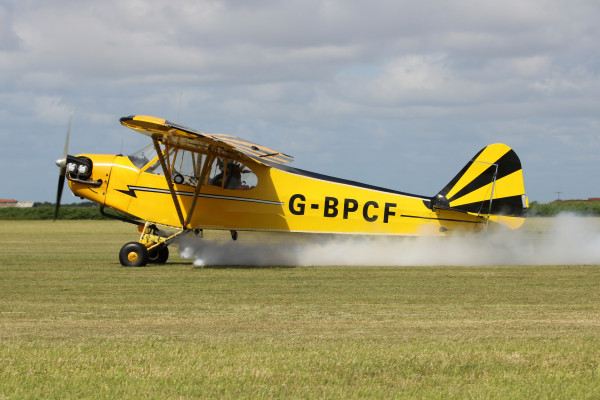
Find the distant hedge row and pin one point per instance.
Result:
(47, 212)
(586, 208)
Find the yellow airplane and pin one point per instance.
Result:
(187, 180)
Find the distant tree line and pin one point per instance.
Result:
(45, 211)
(579, 207)
(80, 204)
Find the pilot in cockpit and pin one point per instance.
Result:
(233, 174)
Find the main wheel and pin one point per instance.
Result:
(133, 254)
(159, 255)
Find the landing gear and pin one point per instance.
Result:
(134, 254)
(152, 247)
(158, 255)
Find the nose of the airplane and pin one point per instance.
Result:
(88, 175)
(61, 162)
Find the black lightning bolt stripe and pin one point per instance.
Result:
(133, 189)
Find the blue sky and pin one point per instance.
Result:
(393, 93)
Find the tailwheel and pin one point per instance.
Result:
(134, 254)
(159, 255)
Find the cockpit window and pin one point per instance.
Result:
(231, 174)
(156, 168)
(143, 156)
(186, 168)
(248, 178)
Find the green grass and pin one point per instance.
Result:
(75, 324)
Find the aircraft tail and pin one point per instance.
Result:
(490, 185)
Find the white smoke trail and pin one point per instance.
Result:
(567, 240)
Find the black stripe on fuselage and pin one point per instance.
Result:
(333, 179)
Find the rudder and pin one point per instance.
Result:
(493, 175)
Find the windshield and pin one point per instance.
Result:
(143, 156)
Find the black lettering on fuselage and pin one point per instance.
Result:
(297, 208)
(366, 216)
(350, 205)
(330, 209)
(387, 212)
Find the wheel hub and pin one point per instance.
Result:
(132, 256)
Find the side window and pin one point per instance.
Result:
(248, 178)
(217, 171)
(187, 167)
(231, 174)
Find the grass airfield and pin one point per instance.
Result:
(75, 324)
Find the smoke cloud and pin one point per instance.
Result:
(563, 240)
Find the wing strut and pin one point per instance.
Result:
(167, 173)
(209, 159)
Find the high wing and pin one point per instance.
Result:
(176, 135)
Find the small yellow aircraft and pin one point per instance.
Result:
(187, 180)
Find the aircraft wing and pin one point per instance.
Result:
(176, 135)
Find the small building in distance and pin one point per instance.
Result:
(8, 203)
(14, 203)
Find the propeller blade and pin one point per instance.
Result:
(66, 151)
(61, 184)
(62, 164)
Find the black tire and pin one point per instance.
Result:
(159, 255)
(133, 254)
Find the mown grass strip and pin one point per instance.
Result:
(75, 324)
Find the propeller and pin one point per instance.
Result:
(62, 164)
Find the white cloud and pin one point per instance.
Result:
(328, 78)
(51, 110)
(9, 40)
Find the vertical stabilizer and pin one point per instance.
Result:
(491, 185)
